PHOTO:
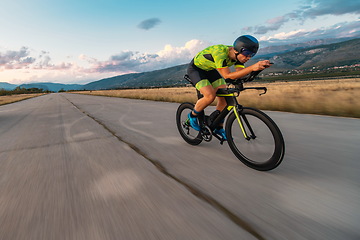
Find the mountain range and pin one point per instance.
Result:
(321, 54)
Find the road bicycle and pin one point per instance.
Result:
(252, 135)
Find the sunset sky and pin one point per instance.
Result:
(82, 41)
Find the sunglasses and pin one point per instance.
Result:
(247, 53)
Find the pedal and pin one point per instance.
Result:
(206, 134)
(220, 138)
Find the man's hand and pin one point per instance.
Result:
(261, 65)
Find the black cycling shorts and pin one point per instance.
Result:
(202, 78)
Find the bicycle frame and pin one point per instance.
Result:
(230, 95)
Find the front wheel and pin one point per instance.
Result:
(189, 134)
(255, 139)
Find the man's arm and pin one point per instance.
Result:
(242, 72)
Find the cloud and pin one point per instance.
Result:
(16, 59)
(332, 7)
(312, 9)
(23, 59)
(124, 62)
(26, 68)
(87, 59)
(130, 61)
(340, 30)
(284, 35)
(149, 23)
(273, 24)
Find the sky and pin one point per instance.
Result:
(81, 41)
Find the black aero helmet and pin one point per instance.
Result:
(246, 43)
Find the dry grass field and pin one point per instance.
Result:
(326, 97)
(17, 97)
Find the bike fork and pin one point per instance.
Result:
(241, 119)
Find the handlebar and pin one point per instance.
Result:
(258, 88)
(248, 78)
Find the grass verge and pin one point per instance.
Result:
(17, 97)
(326, 97)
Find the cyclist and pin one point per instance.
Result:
(211, 66)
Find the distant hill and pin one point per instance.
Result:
(337, 54)
(166, 77)
(284, 48)
(54, 87)
(7, 86)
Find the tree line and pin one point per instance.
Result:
(20, 90)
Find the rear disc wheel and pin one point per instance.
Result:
(189, 134)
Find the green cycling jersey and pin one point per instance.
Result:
(215, 57)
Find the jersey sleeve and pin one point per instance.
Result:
(239, 65)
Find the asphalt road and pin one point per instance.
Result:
(86, 167)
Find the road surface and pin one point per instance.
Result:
(86, 167)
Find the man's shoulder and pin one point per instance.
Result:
(218, 50)
(218, 47)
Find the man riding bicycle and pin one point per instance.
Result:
(211, 66)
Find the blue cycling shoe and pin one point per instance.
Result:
(221, 132)
(194, 122)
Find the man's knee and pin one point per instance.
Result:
(210, 97)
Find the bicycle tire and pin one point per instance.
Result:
(189, 134)
(263, 152)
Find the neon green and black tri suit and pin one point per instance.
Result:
(203, 68)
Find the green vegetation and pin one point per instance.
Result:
(312, 76)
(20, 90)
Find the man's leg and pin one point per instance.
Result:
(209, 94)
(221, 104)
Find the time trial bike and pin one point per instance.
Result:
(252, 135)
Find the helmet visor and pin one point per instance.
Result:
(247, 53)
